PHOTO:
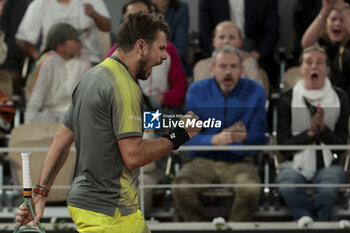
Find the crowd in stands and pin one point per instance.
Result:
(237, 40)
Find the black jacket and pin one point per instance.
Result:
(284, 132)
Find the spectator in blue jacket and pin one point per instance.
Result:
(239, 104)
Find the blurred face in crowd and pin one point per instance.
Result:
(227, 70)
(152, 55)
(69, 49)
(335, 27)
(314, 69)
(227, 34)
(134, 7)
(161, 4)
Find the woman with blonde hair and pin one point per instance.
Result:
(227, 32)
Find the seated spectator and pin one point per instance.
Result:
(312, 112)
(87, 15)
(56, 74)
(239, 103)
(331, 30)
(227, 32)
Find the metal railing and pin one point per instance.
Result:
(142, 186)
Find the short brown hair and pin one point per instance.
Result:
(140, 25)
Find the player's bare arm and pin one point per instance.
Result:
(56, 156)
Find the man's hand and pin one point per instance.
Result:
(189, 117)
(235, 133)
(103, 23)
(24, 212)
(89, 9)
(222, 138)
(239, 132)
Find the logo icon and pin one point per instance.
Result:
(151, 120)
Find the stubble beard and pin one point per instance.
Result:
(141, 70)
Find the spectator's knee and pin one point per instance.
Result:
(248, 192)
(181, 191)
(328, 193)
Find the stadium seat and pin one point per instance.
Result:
(39, 135)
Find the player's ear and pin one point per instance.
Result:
(141, 46)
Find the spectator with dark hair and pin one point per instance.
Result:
(258, 21)
(137, 5)
(331, 30)
(312, 113)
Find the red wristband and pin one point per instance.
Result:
(41, 191)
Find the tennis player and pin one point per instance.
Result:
(105, 122)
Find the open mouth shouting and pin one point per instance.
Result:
(228, 80)
(337, 34)
(314, 76)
